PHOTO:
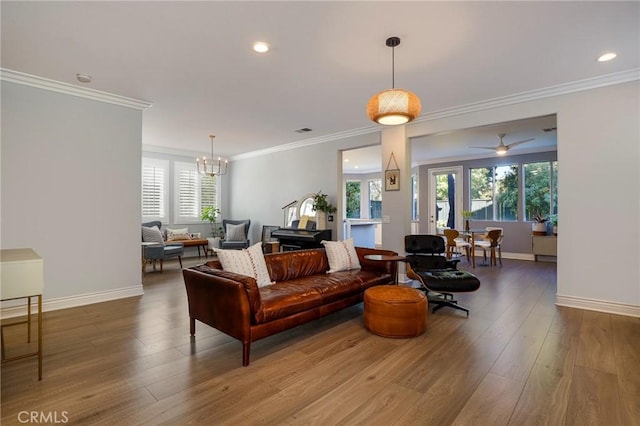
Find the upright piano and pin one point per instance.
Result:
(299, 239)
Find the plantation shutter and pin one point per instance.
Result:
(154, 190)
(188, 197)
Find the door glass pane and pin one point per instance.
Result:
(375, 199)
(414, 197)
(352, 191)
(445, 201)
(554, 174)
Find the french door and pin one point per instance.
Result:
(445, 198)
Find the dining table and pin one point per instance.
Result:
(471, 235)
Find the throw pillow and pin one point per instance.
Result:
(341, 255)
(178, 234)
(235, 232)
(249, 262)
(152, 235)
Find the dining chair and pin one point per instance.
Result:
(491, 242)
(455, 243)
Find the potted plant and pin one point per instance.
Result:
(322, 207)
(467, 214)
(553, 221)
(539, 226)
(210, 214)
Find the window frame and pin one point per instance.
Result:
(494, 191)
(165, 167)
(553, 196)
(179, 219)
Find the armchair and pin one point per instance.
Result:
(438, 276)
(160, 250)
(236, 234)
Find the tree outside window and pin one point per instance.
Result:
(353, 199)
(540, 189)
(375, 199)
(494, 193)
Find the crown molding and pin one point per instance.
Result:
(156, 149)
(547, 92)
(308, 142)
(532, 95)
(70, 89)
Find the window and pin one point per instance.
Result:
(540, 189)
(193, 192)
(375, 199)
(155, 178)
(494, 193)
(352, 190)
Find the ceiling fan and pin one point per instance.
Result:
(501, 148)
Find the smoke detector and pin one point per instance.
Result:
(83, 78)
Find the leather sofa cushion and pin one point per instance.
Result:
(287, 298)
(287, 266)
(297, 295)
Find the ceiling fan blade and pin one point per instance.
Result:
(519, 142)
(484, 147)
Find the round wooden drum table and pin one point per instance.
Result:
(395, 311)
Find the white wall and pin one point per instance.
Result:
(71, 190)
(260, 186)
(598, 154)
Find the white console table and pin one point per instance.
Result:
(21, 273)
(544, 245)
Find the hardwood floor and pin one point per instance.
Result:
(517, 360)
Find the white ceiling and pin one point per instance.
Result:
(193, 60)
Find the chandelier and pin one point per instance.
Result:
(212, 168)
(393, 106)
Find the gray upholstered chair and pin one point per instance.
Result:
(161, 250)
(236, 234)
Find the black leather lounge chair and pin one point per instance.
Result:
(438, 276)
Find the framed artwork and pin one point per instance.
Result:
(392, 180)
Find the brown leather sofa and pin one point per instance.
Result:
(303, 291)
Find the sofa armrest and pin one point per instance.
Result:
(222, 289)
(388, 267)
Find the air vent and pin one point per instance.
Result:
(549, 129)
(303, 130)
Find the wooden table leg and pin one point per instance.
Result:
(29, 319)
(39, 337)
(473, 249)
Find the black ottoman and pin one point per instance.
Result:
(438, 286)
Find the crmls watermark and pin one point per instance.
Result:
(45, 417)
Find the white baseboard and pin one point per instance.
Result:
(598, 305)
(72, 301)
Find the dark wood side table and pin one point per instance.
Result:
(386, 258)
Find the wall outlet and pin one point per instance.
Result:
(386, 219)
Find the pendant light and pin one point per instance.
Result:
(393, 106)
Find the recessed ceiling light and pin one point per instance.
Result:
(83, 78)
(607, 57)
(346, 160)
(261, 47)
